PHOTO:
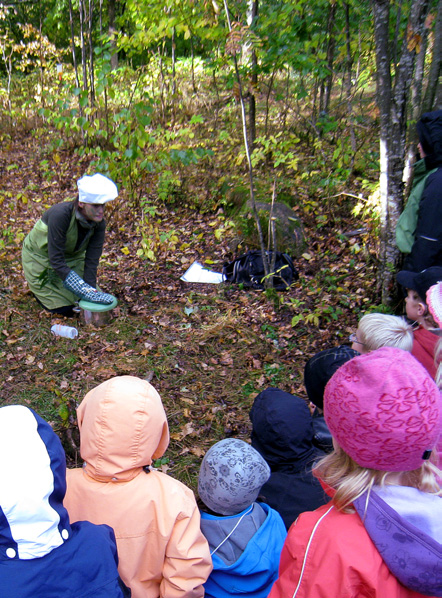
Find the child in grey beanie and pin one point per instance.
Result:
(245, 537)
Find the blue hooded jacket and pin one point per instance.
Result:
(41, 554)
(248, 564)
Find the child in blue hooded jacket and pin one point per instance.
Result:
(245, 537)
(41, 554)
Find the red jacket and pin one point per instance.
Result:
(329, 554)
(424, 343)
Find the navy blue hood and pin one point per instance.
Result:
(282, 430)
(429, 130)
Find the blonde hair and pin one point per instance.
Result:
(349, 480)
(382, 330)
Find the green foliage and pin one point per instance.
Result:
(123, 142)
(321, 314)
(153, 239)
(369, 209)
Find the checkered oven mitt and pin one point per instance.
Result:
(76, 285)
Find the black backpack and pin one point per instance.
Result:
(248, 270)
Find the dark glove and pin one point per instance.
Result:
(76, 285)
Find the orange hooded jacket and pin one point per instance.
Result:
(162, 552)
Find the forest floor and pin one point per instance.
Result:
(207, 349)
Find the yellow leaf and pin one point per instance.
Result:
(56, 158)
(307, 256)
(125, 250)
(197, 451)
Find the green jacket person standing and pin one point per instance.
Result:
(61, 253)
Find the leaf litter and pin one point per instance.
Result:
(207, 349)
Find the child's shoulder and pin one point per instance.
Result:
(170, 486)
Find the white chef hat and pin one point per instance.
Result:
(96, 189)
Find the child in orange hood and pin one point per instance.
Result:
(123, 428)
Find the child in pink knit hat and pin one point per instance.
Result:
(381, 535)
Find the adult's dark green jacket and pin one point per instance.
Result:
(419, 231)
(62, 240)
(407, 223)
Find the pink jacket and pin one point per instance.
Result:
(161, 550)
(329, 554)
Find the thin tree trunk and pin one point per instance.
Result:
(252, 15)
(193, 65)
(415, 112)
(326, 85)
(91, 54)
(74, 58)
(106, 111)
(348, 84)
(395, 44)
(83, 45)
(41, 57)
(111, 11)
(264, 256)
(433, 90)
(269, 91)
(74, 61)
(173, 63)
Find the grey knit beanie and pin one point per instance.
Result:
(231, 476)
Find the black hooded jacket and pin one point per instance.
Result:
(427, 247)
(283, 433)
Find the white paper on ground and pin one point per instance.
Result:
(197, 273)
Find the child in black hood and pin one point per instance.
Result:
(283, 434)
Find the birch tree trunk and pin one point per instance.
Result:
(392, 103)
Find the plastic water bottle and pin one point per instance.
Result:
(65, 331)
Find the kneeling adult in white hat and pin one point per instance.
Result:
(61, 253)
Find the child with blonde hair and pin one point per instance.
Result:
(381, 534)
(377, 330)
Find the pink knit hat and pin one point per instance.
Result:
(384, 410)
(434, 302)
